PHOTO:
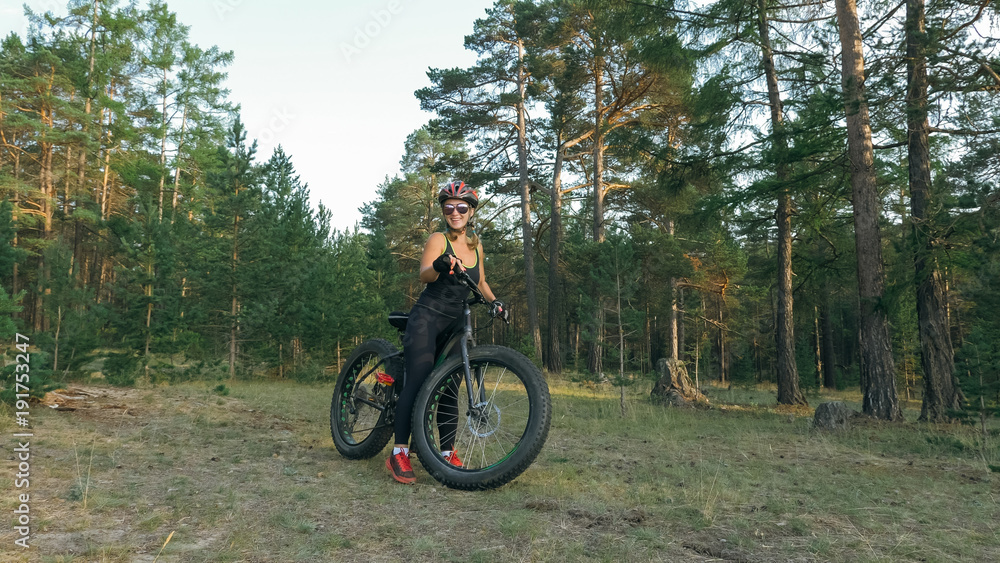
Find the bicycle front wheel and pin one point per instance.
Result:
(360, 414)
(498, 435)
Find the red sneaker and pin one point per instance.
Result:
(399, 466)
(452, 458)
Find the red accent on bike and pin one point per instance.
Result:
(385, 378)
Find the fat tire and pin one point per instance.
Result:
(343, 393)
(528, 445)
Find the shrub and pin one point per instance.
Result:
(122, 370)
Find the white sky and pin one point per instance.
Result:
(332, 81)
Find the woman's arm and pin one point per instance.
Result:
(434, 248)
(483, 286)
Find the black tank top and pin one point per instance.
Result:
(446, 291)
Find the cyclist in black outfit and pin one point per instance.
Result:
(437, 311)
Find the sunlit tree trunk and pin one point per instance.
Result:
(878, 373)
(526, 232)
(594, 361)
(673, 325)
(177, 170)
(82, 158)
(163, 144)
(553, 361)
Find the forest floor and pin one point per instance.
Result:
(247, 472)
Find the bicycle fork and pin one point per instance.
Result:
(476, 404)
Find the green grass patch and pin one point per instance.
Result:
(252, 474)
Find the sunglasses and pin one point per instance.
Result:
(449, 208)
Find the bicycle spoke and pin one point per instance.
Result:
(492, 429)
(362, 406)
(367, 429)
(498, 433)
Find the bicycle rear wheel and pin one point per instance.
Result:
(499, 436)
(361, 409)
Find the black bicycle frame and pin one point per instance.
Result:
(463, 338)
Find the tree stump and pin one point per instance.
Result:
(674, 387)
(833, 415)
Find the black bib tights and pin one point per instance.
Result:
(426, 330)
(437, 313)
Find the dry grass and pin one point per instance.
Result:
(183, 473)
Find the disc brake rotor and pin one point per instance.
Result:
(485, 420)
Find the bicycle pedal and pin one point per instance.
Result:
(385, 378)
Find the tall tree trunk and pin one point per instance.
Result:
(235, 304)
(82, 158)
(721, 341)
(827, 350)
(103, 190)
(621, 324)
(553, 361)
(15, 216)
(673, 328)
(673, 324)
(680, 323)
(47, 187)
(67, 176)
(594, 363)
(598, 179)
(177, 170)
(936, 352)
(48, 209)
(233, 327)
(55, 345)
(878, 372)
(106, 186)
(163, 145)
(15, 278)
(148, 290)
(817, 347)
(526, 233)
(788, 373)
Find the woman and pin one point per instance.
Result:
(438, 311)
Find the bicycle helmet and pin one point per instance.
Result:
(458, 190)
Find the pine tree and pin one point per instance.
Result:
(488, 104)
(878, 373)
(236, 195)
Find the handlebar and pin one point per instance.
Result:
(477, 295)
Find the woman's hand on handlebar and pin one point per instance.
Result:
(499, 310)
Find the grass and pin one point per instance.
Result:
(251, 475)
